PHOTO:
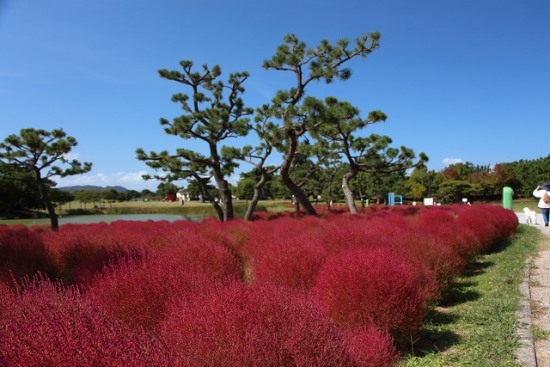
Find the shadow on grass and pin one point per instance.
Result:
(435, 336)
(461, 292)
(476, 268)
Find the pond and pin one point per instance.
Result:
(107, 218)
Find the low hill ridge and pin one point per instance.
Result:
(92, 188)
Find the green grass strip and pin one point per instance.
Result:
(476, 324)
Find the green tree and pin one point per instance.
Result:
(203, 190)
(371, 154)
(59, 197)
(213, 113)
(111, 195)
(43, 153)
(528, 174)
(452, 191)
(257, 157)
(129, 195)
(88, 196)
(418, 183)
(377, 185)
(166, 188)
(245, 188)
(18, 192)
(325, 62)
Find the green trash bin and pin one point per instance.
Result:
(507, 195)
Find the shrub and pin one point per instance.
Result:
(45, 324)
(371, 347)
(442, 224)
(22, 253)
(82, 250)
(292, 261)
(241, 325)
(433, 261)
(366, 286)
(489, 224)
(137, 291)
(195, 249)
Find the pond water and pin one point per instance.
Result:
(108, 218)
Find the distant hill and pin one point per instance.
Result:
(92, 188)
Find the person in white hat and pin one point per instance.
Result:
(541, 192)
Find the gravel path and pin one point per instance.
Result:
(534, 312)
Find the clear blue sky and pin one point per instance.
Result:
(461, 80)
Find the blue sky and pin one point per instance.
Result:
(461, 80)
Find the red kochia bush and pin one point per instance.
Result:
(193, 248)
(367, 286)
(489, 224)
(371, 347)
(45, 324)
(434, 262)
(22, 253)
(242, 325)
(442, 224)
(290, 260)
(137, 292)
(82, 250)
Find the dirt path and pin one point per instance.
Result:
(534, 311)
(540, 303)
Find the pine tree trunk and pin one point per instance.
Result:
(288, 182)
(227, 201)
(223, 186)
(347, 191)
(256, 197)
(206, 195)
(48, 203)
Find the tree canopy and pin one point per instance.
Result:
(46, 155)
(213, 113)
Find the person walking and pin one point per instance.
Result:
(543, 193)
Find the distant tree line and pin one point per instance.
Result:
(450, 185)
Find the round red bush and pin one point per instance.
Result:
(137, 292)
(291, 261)
(23, 253)
(371, 286)
(242, 325)
(45, 324)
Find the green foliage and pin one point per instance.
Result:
(362, 154)
(453, 191)
(42, 152)
(418, 183)
(164, 189)
(45, 155)
(18, 192)
(485, 182)
(299, 115)
(528, 174)
(213, 113)
(245, 189)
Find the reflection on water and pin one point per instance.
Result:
(108, 218)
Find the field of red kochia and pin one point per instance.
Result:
(338, 290)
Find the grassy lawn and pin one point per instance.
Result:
(154, 207)
(277, 205)
(475, 325)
